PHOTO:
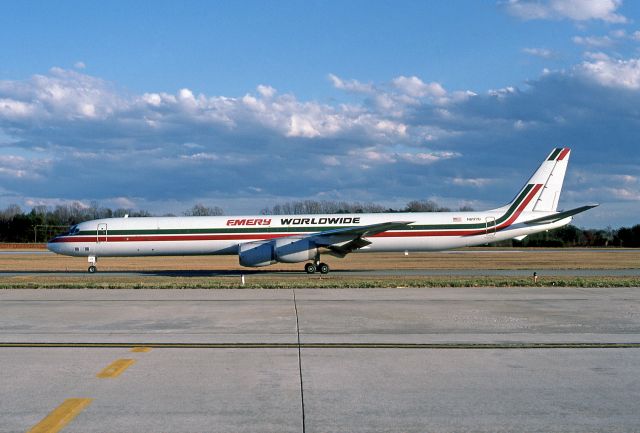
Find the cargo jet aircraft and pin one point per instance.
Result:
(265, 240)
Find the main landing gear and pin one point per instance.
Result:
(317, 265)
(92, 264)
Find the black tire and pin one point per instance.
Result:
(92, 269)
(310, 268)
(323, 268)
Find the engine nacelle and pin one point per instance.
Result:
(286, 250)
(254, 254)
(290, 250)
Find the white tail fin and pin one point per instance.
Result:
(551, 176)
(542, 191)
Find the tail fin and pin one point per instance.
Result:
(542, 191)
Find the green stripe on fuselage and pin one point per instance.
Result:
(302, 229)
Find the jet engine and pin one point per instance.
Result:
(285, 250)
(255, 254)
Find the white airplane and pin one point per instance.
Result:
(265, 240)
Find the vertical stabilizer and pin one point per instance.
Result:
(542, 192)
(556, 165)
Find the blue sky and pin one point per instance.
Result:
(159, 105)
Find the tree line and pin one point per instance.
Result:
(43, 222)
(303, 207)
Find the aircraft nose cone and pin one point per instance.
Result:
(54, 247)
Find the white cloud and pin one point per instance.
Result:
(153, 99)
(593, 41)
(382, 156)
(79, 65)
(302, 126)
(350, 85)
(331, 160)
(544, 53)
(202, 156)
(576, 10)
(612, 72)
(598, 55)
(618, 33)
(474, 182)
(40, 201)
(415, 87)
(12, 109)
(502, 93)
(626, 178)
(624, 194)
(266, 91)
(428, 157)
(21, 168)
(124, 202)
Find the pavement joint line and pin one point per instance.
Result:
(295, 306)
(61, 416)
(532, 345)
(116, 368)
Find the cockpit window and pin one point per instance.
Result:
(73, 230)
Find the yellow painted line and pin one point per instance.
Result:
(141, 349)
(61, 416)
(116, 368)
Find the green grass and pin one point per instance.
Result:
(291, 283)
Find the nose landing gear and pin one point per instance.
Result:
(92, 264)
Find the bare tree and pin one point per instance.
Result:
(425, 206)
(10, 212)
(201, 210)
(320, 207)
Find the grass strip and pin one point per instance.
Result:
(260, 282)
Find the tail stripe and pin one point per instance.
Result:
(558, 154)
(564, 153)
(554, 154)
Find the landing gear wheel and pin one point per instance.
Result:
(310, 268)
(92, 269)
(323, 268)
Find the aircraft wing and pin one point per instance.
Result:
(344, 240)
(560, 215)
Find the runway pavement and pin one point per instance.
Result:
(318, 360)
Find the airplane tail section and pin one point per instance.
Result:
(542, 191)
(551, 175)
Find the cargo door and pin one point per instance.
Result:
(101, 233)
(490, 227)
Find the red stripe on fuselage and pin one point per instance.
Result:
(265, 236)
(502, 226)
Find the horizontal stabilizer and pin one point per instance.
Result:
(560, 215)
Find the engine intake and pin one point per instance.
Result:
(254, 254)
(286, 250)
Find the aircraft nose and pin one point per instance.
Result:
(54, 247)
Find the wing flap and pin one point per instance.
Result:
(363, 231)
(349, 247)
(343, 241)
